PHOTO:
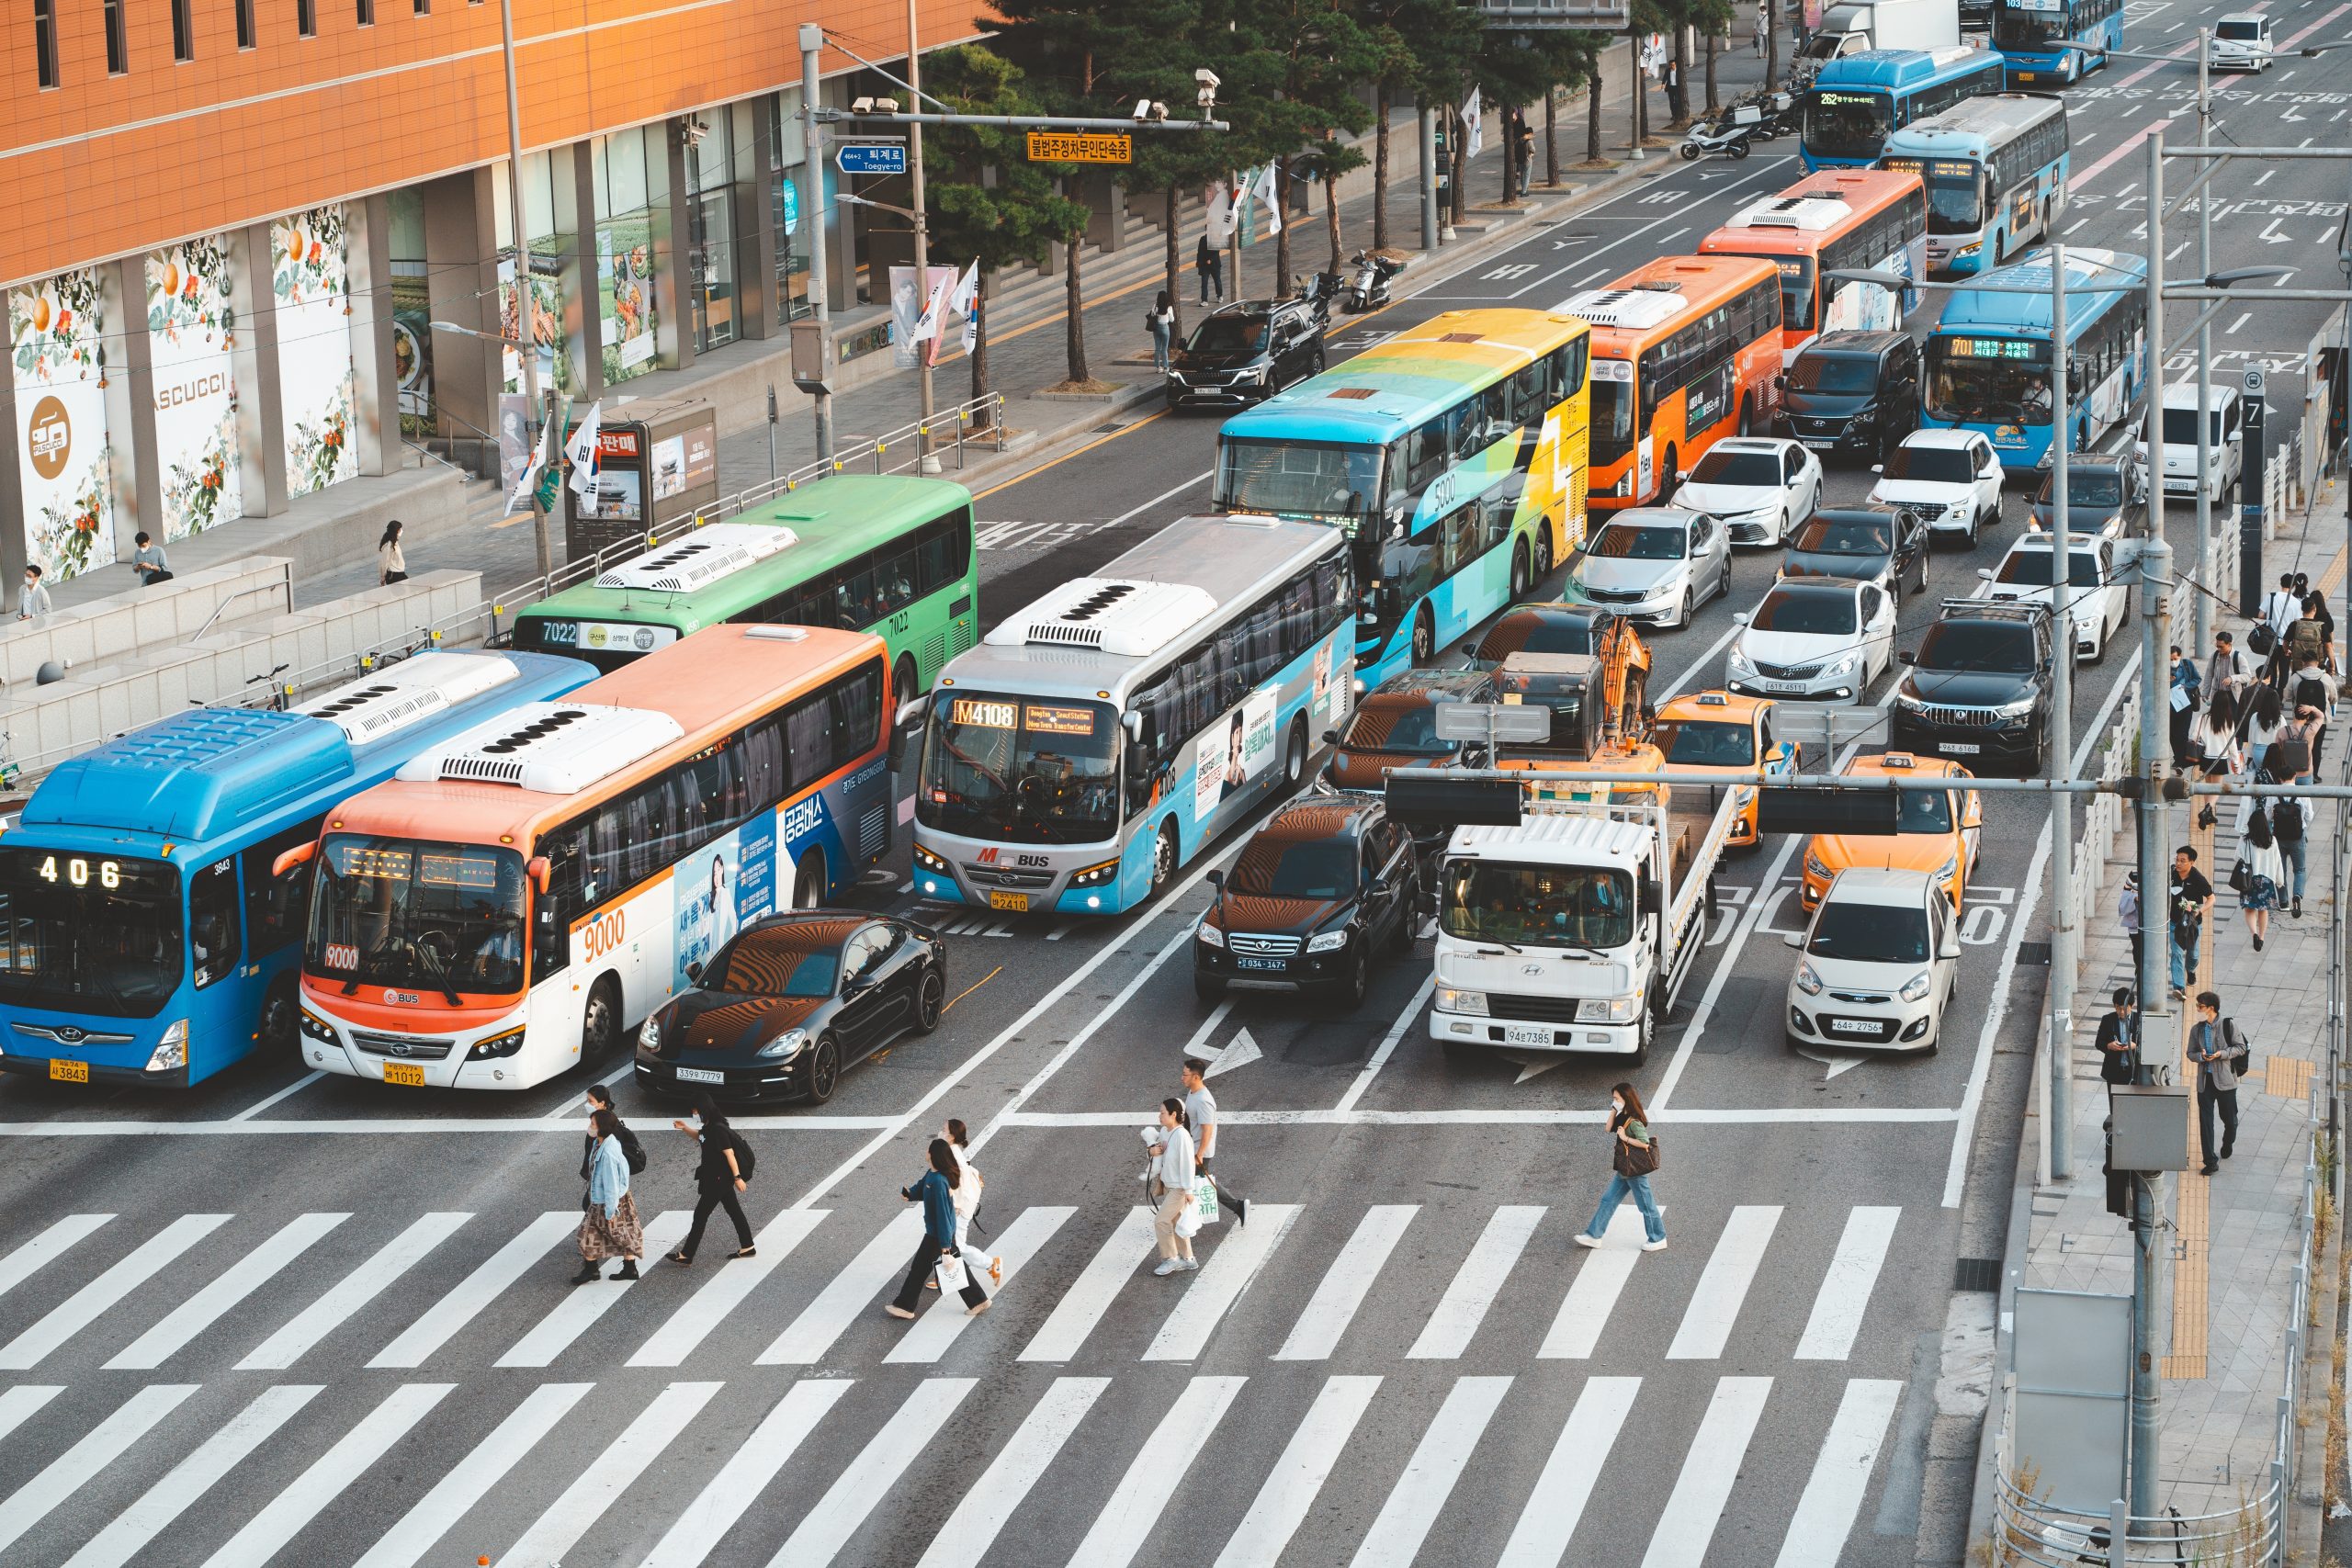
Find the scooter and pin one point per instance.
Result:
(1368, 288)
(1321, 288)
(1730, 136)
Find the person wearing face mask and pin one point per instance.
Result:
(1633, 1156)
(719, 1179)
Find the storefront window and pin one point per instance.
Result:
(710, 217)
(632, 177)
(788, 153)
(547, 287)
(411, 313)
(64, 469)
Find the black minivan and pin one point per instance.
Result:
(1852, 394)
(1243, 353)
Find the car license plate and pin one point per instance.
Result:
(1526, 1034)
(700, 1075)
(1262, 963)
(1784, 686)
(1822, 442)
(69, 1072)
(407, 1073)
(1959, 747)
(1855, 1026)
(1016, 902)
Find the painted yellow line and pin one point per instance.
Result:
(2333, 575)
(971, 988)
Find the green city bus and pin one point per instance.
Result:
(888, 554)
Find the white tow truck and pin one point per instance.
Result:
(1574, 930)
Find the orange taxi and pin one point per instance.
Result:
(1937, 830)
(1716, 732)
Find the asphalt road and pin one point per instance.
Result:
(305, 1320)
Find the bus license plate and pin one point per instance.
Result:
(70, 1072)
(700, 1075)
(1960, 748)
(1525, 1034)
(407, 1073)
(1018, 903)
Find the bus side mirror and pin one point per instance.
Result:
(1132, 722)
(1780, 379)
(913, 707)
(542, 874)
(694, 970)
(288, 859)
(1651, 896)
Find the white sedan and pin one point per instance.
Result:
(1759, 487)
(1882, 960)
(2096, 600)
(1653, 564)
(1820, 639)
(1950, 478)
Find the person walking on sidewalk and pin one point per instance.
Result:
(1168, 1180)
(2117, 1041)
(2215, 1045)
(935, 1191)
(1677, 104)
(2264, 713)
(34, 601)
(1211, 267)
(1763, 25)
(601, 1098)
(609, 1228)
(2294, 750)
(2183, 697)
(2259, 872)
(722, 1171)
(1200, 1116)
(2190, 893)
(1632, 1157)
(2226, 669)
(2289, 825)
(968, 1193)
(2307, 636)
(1161, 321)
(2127, 911)
(390, 559)
(149, 562)
(2280, 611)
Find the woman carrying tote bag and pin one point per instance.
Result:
(1633, 1156)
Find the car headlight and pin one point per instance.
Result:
(507, 1042)
(1328, 941)
(1949, 870)
(1812, 866)
(929, 862)
(1610, 1009)
(1250, 372)
(172, 1054)
(2018, 709)
(1916, 987)
(1451, 1000)
(1095, 875)
(1210, 935)
(1956, 511)
(1807, 981)
(317, 1029)
(649, 1033)
(786, 1043)
(1909, 701)
(1740, 660)
(1839, 666)
(1970, 249)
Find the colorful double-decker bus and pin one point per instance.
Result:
(1855, 102)
(1989, 358)
(1105, 735)
(146, 936)
(2054, 42)
(518, 897)
(1838, 219)
(1684, 353)
(881, 553)
(1995, 172)
(1452, 454)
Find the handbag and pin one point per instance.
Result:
(1188, 1221)
(1638, 1159)
(949, 1271)
(1204, 1206)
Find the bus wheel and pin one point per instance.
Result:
(1294, 755)
(1669, 475)
(903, 685)
(824, 1070)
(1520, 575)
(931, 999)
(1747, 420)
(1424, 636)
(1163, 858)
(808, 880)
(276, 1039)
(600, 1021)
(1542, 552)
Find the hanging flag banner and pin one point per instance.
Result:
(1266, 191)
(582, 450)
(1473, 135)
(1219, 202)
(529, 481)
(966, 302)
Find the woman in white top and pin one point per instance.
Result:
(389, 556)
(2264, 716)
(966, 1195)
(1171, 1188)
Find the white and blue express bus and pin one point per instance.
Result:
(1989, 357)
(1856, 102)
(143, 935)
(1995, 172)
(1098, 739)
(2053, 43)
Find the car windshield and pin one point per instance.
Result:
(1633, 541)
(1535, 633)
(2095, 489)
(437, 918)
(1923, 811)
(1406, 723)
(99, 934)
(1999, 381)
(1845, 537)
(1298, 479)
(1020, 772)
(1844, 123)
(2181, 428)
(1978, 646)
(1815, 614)
(1706, 743)
(1613, 410)
(2243, 32)
(2030, 569)
(1318, 868)
(1541, 906)
(802, 959)
(1563, 694)
(1228, 334)
(2027, 30)
(1930, 464)
(1868, 933)
(1834, 374)
(1751, 469)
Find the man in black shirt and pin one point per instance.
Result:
(2190, 893)
(2119, 1040)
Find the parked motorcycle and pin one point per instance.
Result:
(1321, 288)
(1368, 283)
(1729, 135)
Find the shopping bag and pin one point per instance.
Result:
(1205, 1201)
(949, 1271)
(1188, 1221)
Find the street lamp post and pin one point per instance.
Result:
(524, 325)
(928, 460)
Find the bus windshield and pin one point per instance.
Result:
(2014, 29)
(1613, 410)
(1705, 743)
(89, 933)
(1987, 391)
(418, 914)
(1955, 197)
(1296, 479)
(1546, 905)
(1025, 773)
(1843, 123)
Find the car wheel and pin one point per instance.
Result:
(1351, 989)
(1521, 576)
(1163, 858)
(808, 880)
(1424, 636)
(824, 1070)
(1294, 755)
(1318, 361)
(1781, 538)
(931, 999)
(600, 1021)
(1689, 609)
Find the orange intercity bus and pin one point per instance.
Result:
(1837, 219)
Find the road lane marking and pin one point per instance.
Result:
(1337, 1300)
(1556, 1505)
(91, 1303)
(1134, 1507)
(981, 1517)
(1723, 1283)
(1845, 1292)
(2078, 181)
(1220, 1283)
(21, 1264)
(297, 1086)
(1710, 1466)
(934, 1334)
(570, 1517)
(467, 1299)
(1476, 1284)
(1388, 1042)
(727, 1289)
(128, 1536)
(351, 1292)
(747, 1473)
(244, 1275)
(1306, 1463)
(1833, 1494)
(1501, 1116)
(22, 1403)
(105, 1443)
(1097, 1286)
(576, 1312)
(874, 1474)
(1419, 1494)
(467, 1482)
(1592, 1294)
(847, 1296)
(269, 1532)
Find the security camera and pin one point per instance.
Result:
(1148, 111)
(874, 105)
(694, 130)
(1209, 84)
(1207, 78)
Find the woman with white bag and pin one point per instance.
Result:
(968, 1193)
(936, 1192)
(1171, 1180)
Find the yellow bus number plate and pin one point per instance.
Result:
(70, 1072)
(1016, 902)
(404, 1073)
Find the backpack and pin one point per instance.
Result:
(2235, 1042)
(2289, 758)
(632, 1151)
(745, 1161)
(2304, 637)
(2287, 821)
(2312, 692)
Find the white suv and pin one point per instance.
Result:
(1951, 479)
(1881, 960)
(2242, 42)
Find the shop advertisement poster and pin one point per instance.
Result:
(309, 280)
(669, 467)
(625, 273)
(56, 337)
(190, 331)
(716, 889)
(546, 322)
(1232, 753)
(907, 302)
(412, 349)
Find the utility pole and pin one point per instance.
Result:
(2059, 762)
(929, 459)
(2202, 614)
(813, 45)
(1425, 134)
(525, 327)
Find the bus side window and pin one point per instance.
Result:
(856, 700)
(212, 921)
(567, 899)
(931, 557)
(275, 906)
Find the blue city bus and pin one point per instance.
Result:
(2054, 43)
(144, 935)
(1995, 172)
(1989, 360)
(1856, 102)
(1099, 738)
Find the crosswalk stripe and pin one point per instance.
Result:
(747, 1473)
(1476, 1284)
(22, 1403)
(1709, 1466)
(465, 1300)
(570, 1517)
(973, 1527)
(577, 1312)
(105, 1443)
(1833, 1495)
(268, 1532)
(1722, 1284)
(1592, 1294)
(352, 1292)
(1125, 1522)
(1091, 1295)
(1289, 1491)
(847, 1296)
(873, 1475)
(1846, 1289)
(1340, 1296)
(1556, 1505)
(90, 1304)
(935, 1333)
(1419, 1494)
(246, 1276)
(725, 1290)
(1219, 1285)
(122, 1540)
(470, 1481)
(20, 1264)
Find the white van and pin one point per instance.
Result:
(2242, 42)
(2225, 410)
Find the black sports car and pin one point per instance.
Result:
(780, 1010)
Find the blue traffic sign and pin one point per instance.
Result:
(871, 157)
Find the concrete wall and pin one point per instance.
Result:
(144, 619)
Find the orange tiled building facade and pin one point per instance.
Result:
(228, 225)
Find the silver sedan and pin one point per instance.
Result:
(1653, 564)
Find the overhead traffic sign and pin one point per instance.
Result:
(871, 157)
(1081, 147)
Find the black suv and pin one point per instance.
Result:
(1978, 690)
(1326, 883)
(2104, 495)
(1884, 545)
(1245, 352)
(1851, 394)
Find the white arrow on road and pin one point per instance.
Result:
(1537, 1068)
(1241, 1050)
(1834, 1064)
(2276, 238)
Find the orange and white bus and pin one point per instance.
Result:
(1684, 351)
(1865, 220)
(517, 899)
